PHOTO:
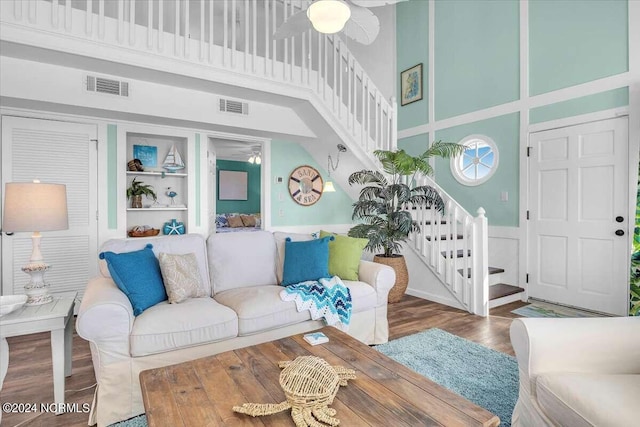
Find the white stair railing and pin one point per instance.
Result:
(454, 245)
(231, 35)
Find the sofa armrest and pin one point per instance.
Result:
(381, 277)
(105, 318)
(586, 345)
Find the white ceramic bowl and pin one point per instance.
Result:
(9, 303)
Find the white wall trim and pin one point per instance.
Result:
(580, 119)
(590, 88)
(522, 230)
(435, 298)
(500, 232)
(334, 228)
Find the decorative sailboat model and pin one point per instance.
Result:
(173, 162)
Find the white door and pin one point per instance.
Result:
(62, 153)
(578, 189)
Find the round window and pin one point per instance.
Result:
(477, 163)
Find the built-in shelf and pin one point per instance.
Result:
(161, 174)
(157, 209)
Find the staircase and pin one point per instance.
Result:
(229, 43)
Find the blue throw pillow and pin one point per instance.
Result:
(303, 261)
(138, 275)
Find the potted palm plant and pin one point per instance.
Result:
(136, 190)
(382, 199)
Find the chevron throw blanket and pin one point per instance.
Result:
(327, 298)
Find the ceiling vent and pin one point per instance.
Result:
(109, 86)
(235, 107)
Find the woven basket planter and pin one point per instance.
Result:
(399, 265)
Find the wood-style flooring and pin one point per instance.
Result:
(30, 379)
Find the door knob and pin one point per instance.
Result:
(619, 219)
(9, 233)
(619, 232)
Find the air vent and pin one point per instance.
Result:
(109, 86)
(235, 107)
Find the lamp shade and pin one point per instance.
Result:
(328, 16)
(35, 207)
(328, 187)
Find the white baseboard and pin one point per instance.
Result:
(435, 298)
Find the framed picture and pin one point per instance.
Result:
(232, 185)
(411, 85)
(147, 154)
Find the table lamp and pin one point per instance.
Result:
(35, 207)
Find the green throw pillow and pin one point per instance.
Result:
(344, 255)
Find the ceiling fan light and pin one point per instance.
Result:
(258, 159)
(252, 159)
(328, 16)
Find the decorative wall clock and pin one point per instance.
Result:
(305, 185)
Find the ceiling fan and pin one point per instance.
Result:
(332, 16)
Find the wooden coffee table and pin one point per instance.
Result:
(385, 393)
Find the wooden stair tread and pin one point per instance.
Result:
(500, 290)
(446, 237)
(459, 253)
(492, 270)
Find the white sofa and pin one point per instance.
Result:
(577, 372)
(243, 270)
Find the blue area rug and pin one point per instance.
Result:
(486, 377)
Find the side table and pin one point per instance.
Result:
(55, 317)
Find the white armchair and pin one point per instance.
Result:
(577, 372)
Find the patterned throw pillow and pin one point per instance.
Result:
(181, 277)
(221, 221)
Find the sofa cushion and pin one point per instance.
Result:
(344, 255)
(260, 308)
(181, 277)
(363, 296)
(137, 275)
(240, 260)
(578, 399)
(304, 261)
(280, 238)
(175, 244)
(166, 327)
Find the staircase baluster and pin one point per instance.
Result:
(176, 34)
(160, 23)
(234, 31)
(202, 29)
(211, 32)
(88, 24)
(67, 16)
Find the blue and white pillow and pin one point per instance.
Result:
(222, 221)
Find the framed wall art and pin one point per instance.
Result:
(147, 154)
(411, 85)
(232, 185)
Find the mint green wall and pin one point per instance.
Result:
(583, 105)
(412, 47)
(198, 183)
(477, 55)
(572, 42)
(504, 131)
(332, 208)
(414, 145)
(252, 204)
